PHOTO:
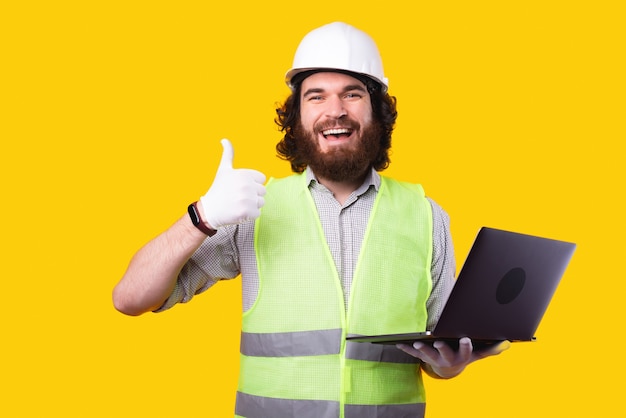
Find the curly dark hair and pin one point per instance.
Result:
(288, 116)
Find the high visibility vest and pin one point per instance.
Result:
(295, 361)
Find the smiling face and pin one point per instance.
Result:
(336, 126)
(334, 106)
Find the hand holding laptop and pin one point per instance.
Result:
(445, 362)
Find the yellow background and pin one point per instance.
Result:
(511, 115)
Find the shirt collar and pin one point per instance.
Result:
(372, 179)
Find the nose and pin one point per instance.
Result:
(335, 108)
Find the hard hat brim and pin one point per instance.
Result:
(292, 79)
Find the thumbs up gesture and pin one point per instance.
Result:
(235, 196)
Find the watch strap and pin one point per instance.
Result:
(196, 220)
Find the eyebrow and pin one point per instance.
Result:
(350, 87)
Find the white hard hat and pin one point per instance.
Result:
(338, 46)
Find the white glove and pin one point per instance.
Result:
(235, 196)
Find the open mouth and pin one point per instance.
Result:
(337, 133)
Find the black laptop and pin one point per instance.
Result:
(501, 293)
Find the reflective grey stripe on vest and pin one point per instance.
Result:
(415, 410)
(318, 343)
(251, 406)
(290, 344)
(378, 352)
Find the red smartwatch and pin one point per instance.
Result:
(196, 220)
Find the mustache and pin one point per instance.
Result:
(344, 122)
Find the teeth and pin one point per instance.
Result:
(336, 131)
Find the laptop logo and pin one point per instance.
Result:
(511, 285)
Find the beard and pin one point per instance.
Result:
(344, 163)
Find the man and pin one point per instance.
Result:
(333, 250)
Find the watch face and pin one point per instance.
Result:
(195, 219)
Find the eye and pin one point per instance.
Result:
(353, 96)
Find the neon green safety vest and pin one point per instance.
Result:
(295, 361)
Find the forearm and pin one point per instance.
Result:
(152, 272)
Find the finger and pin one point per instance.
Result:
(465, 347)
(447, 353)
(504, 345)
(227, 154)
(260, 189)
(498, 348)
(426, 352)
(257, 176)
(254, 175)
(410, 350)
(492, 350)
